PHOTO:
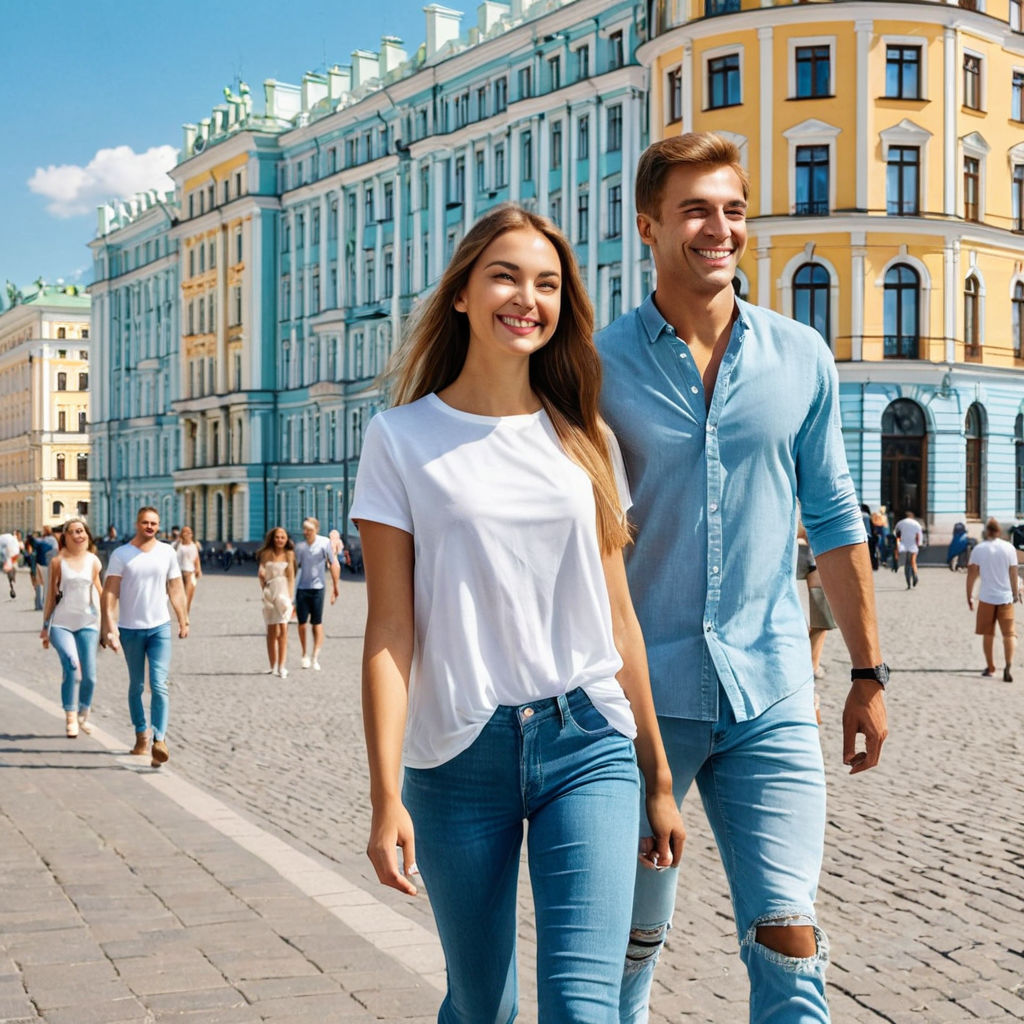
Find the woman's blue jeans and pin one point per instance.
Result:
(155, 645)
(76, 649)
(762, 783)
(558, 765)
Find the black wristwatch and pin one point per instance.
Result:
(880, 674)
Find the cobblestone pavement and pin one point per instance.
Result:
(922, 891)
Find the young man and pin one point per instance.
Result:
(313, 555)
(909, 538)
(141, 576)
(726, 414)
(994, 560)
(10, 552)
(46, 548)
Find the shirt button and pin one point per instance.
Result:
(707, 629)
(714, 570)
(527, 712)
(713, 507)
(694, 388)
(682, 355)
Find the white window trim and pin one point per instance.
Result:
(906, 133)
(982, 80)
(921, 44)
(741, 143)
(667, 97)
(622, 25)
(801, 41)
(709, 55)
(974, 145)
(974, 271)
(787, 289)
(924, 306)
(812, 132)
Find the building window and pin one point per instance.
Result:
(369, 280)
(500, 94)
(82, 466)
(617, 54)
(1018, 319)
(62, 381)
(614, 297)
(615, 129)
(972, 187)
(583, 139)
(82, 422)
(972, 81)
(556, 145)
(481, 102)
(62, 420)
(813, 71)
(900, 312)
(713, 7)
(389, 273)
(903, 72)
(62, 332)
(614, 211)
(525, 83)
(481, 171)
(583, 62)
(811, 300)
(1017, 197)
(83, 382)
(812, 181)
(314, 227)
(902, 180)
(975, 462)
(1018, 449)
(459, 183)
(61, 470)
(555, 210)
(724, 81)
(972, 327)
(1016, 21)
(368, 205)
(499, 167)
(527, 155)
(583, 217)
(462, 110)
(674, 89)
(555, 72)
(1017, 96)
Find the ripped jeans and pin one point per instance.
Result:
(762, 783)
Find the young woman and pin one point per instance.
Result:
(71, 620)
(500, 638)
(276, 560)
(189, 562)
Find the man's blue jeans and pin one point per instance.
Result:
(155, 645)
(762, 784)
(557, 764)
(76, 649)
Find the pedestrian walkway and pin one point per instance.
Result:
(130, 895)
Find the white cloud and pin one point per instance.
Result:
(116, 173)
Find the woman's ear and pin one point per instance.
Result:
(459, 305)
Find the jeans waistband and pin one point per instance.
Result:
(529, 715)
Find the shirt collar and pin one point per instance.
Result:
(655, 324)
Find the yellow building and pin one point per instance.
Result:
(44, 407)
(885, 144)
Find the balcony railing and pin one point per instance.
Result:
(811, 208)
(713, 7)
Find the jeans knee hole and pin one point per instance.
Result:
(645, 945)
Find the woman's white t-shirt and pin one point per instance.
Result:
(511, 603)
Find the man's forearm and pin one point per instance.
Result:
(848, 582)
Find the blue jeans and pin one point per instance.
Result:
(154, 644)
(557, 764)
(76, 648)
(762, 783)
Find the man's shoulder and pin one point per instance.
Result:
(623, 330)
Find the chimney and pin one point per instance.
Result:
(365, 66)
(104, 218)
(488, 14)
(442, 27)
(188, 138)
(314, 89)
(339, 81)
(392, 54)
(283, 101)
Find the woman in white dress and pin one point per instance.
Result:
(189, 562)
(276, 559)
(71, 620)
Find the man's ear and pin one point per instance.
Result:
(644, 224)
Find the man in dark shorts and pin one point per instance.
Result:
(314, 555)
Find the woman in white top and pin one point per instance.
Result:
(276, 560)
(189, 562)
(501, 642)
(71, 620)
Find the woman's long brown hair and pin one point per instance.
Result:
(565, 374)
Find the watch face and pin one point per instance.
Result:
(882, 674)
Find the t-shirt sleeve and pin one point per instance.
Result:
(173, 569)
(380, 492)
(115, 567)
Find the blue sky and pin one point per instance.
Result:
(93, 90)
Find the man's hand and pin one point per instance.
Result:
(182, 630)
(334, 593)
(865, 714)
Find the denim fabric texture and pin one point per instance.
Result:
(77, 651)
(558, 765)
(152, 645)
(762, 783)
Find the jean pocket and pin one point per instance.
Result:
(589, 720)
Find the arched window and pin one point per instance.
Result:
(1018, 451)
(58, 508)
(901, 312)
(904, 458)
(1018, 319)
(61, 467)
(811, 304)
(972, 325)
(974, 432)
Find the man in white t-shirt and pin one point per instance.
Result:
(141, 576)
(314, 556)
(994, 560)
(909, 539)
(10, 549)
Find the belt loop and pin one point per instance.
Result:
(563, 708)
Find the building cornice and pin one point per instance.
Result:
(219, 216)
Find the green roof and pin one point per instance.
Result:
(64, 296)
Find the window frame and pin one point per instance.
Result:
(714, 57)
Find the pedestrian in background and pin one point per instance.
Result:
(141, 577)
(994, 562)
(31, 563)
(187, 550)
(909, 540)
(71, 620)
(276, 573)
(46, 548)
(10, 552)
(500, 630)
(314, 557)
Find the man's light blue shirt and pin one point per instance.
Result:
(715, 495)
(312, 561)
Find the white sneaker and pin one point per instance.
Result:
(316, 665)
(275, 671)
(305, 661)
(283, 673)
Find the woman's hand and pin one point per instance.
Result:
(44, 635)
(665, 848)
(392, 828)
